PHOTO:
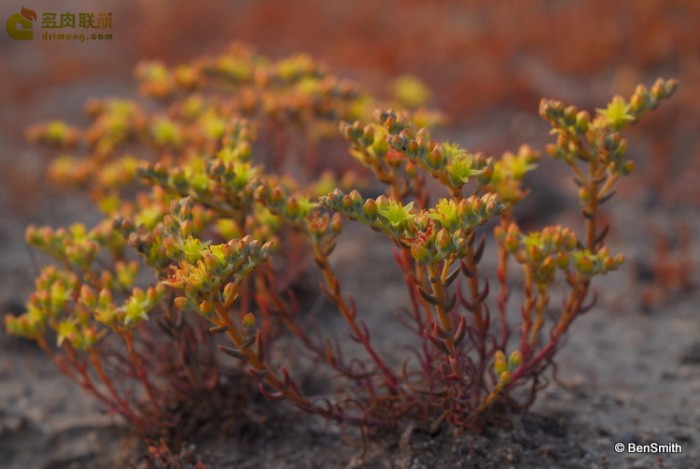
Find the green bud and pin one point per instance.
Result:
(346, 202)
(105, 298)
(370, 209)
(505, 377)
(670, 87)
(435, 159)
(423, 135)
(368, 134)
(276, 196)
(292, 209)
(411, 169)
(548, 265)
(535, 253)
(421, 254)
(609, 264)
(515, 359)
(555, 151)
(512, 238)
(356, 197)
(390, 123)
(485, 174)
(563, 261)
(658, 89)
(248, 321)
(628, 167)
(583, 118)
(87, 297)
(443, 240)
(412, 148)
(212, 263)
(230, 294)
(206, 308)
(584, 265)
(500, 365)
(637, 103)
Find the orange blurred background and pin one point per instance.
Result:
(488, 64)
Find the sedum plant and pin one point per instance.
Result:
(177, 300)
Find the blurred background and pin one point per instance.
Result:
(486, 64)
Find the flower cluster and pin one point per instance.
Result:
(432, 235)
